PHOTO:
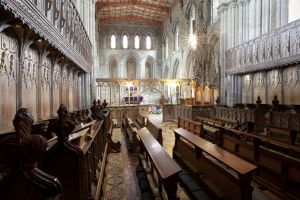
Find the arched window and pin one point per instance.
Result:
(214, 11)
(176, 38)
(137, 42)
(192, 20)
(148, 42)
(125, 42)
(113, 42)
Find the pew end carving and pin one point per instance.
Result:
(19, 153)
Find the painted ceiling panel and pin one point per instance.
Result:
(133, 10)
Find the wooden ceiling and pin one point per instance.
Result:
(151, 11)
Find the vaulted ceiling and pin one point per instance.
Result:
(153, 11)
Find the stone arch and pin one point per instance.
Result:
(113, 67)
(108, 61)
(175, 69)
(136, 33)
(109, 38)
(166, 74)
(188, 70)
(152, 39)
(215, 56)
(150, 65)
(137, 60)
(125, 32)
(131, 67)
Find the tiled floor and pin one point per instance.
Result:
(114, 183)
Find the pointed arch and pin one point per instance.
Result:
(131, 67)
(149, 67)
(137, 40)
(175, 69)
(113, 67)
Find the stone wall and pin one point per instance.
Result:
(200, 62)
(120, 56)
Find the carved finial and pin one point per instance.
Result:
(31, 147)
(275, 101)
(62, 111)
(258, 101)
(99, 102)
(22, 122)
(104, 104)
(218, 100)
(63, 126)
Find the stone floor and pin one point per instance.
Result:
(128, 187)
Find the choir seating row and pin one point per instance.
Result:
(129, 128)
(69, 164)
(277, 161)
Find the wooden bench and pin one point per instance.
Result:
(155, 131)
(131, 138)
(140, 121)
(230, 123)
(223, 173)
(210, 127)
(278, 163)
(79, 160)
(192, 126)
(165, 167)
(283, 135)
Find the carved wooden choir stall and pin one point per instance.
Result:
(73, 159)
(266, 136)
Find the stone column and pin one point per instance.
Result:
(232, 23)
(251, 19)
(247, 19)
(265, 16)
(284, 12)
(236, 23)
(223, 46)
(258, 18)
(278, 13)
(240, 30)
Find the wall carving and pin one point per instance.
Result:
(8, 52)
(274, 49)
(46, 74)
(60, 25)
(29, 68)
(56, 76)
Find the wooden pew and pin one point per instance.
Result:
(192, 126)
(155, 131)
(79, 160)
(223, 172)
(278, 163)
(210, 127)
(165, 167)
(283, 135)
(140, 121)
(132, 141)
